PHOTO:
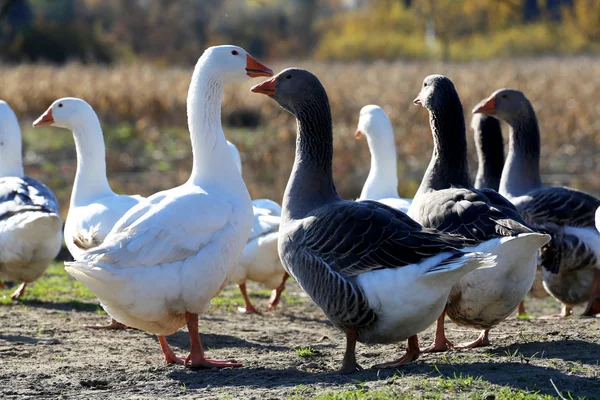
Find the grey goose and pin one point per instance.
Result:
(447, 201)
(571, 261)
(378, 275)
(30, 225)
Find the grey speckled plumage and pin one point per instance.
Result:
(446, 199)
(566, 214)
(330, 246)
(25, 194)
(489, 144)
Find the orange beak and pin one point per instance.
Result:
(417, 100)
(267, 87)
(358, 135)
(45, 119)
(487, 106)
(255, 69)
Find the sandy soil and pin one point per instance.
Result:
(46, 352)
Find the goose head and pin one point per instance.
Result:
(436, 91)
(373, 123)
(232, 63)
(11, 163)
(294, 89)
(67, 113)
(505, 104)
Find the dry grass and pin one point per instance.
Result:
(564, 91)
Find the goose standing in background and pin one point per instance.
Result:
(94, 207)
(382, 183)
(487, 134)
(30, 225)
(447, 201)
(260, 259)
(571, 261)
(167, 257)
(489, 144)
(378, 275)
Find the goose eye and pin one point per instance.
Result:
(288, 77)
(424, 84)
(503, 96)
(59, 105)
(234, 52)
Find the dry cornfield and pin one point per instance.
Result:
(151, 100)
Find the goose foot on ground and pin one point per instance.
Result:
(249, 308)
(170, 356)
(276, 294)
(2, 286)
(349, 364)
(440, 343)
(412, 353)
(114, 325)
(593, 306)
(566, 312)
(196, 357)
(19, 292)
(482, 340)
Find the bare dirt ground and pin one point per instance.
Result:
(46, 352)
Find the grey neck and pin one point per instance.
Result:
(449, 165)
(311, 181)
(490, 154)
(521, 173)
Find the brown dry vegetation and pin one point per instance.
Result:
(150, 149)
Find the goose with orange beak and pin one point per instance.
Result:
(378, 275)
(571, 261)
(446, 200)
(160, 266)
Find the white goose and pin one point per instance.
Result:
(30, 225)
(94, 207)
(164, 261)
(382, 182)
(260, 259)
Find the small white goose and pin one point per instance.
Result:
(163, 262)
(94, 207)
(30, 225)
(260, 259)
(382, 182)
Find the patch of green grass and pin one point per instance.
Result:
(458, 382)
(305, 352)
(55, 286)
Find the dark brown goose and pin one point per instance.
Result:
(447, 201)
(571, 261)
(490, 151)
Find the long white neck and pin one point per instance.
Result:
(382, 182)
(212, 160)
(90, 180)
(11, 160)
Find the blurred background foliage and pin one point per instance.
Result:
(174, 32)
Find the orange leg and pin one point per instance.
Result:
(349, 364)
(196, 358)
(19, 292)
(521, 313)
(440, 343)
(170, 357)
(482, 340)
(276, 295)
(412, 353)
(2, 285)
(249, 307)
(593, 306)
(114, 324)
